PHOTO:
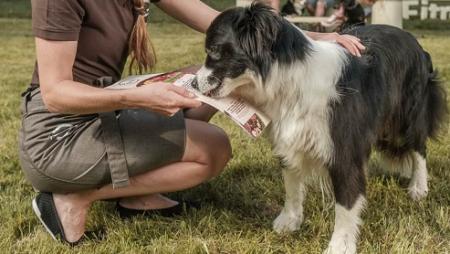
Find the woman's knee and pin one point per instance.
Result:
(220, 151)
(209, 145)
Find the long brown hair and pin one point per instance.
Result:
(141, 49)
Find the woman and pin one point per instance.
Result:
(349, 13)
(81, 143)
(318, 8)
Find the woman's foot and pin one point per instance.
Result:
(72, 211)
(153, 205)
(148, 202)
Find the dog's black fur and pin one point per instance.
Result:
(394, 98)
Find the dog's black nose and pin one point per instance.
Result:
(194, 83)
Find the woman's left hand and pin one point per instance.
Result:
(351, 43)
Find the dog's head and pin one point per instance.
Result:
(243, 45)
(239, 46)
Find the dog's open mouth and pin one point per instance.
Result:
(214, 92)
(211, 93)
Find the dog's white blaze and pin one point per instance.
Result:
(229, 85)
(202, 79)
(418, 186)
(346, 229)
(298, 98)
(291, 217)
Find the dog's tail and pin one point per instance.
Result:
(437, 110)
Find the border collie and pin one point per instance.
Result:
(329, 108)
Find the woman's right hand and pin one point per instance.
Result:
(61, 94)
(163, 98)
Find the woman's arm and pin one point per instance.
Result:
(193, 13)
(199, 16)
(351, 43)
(61, 94)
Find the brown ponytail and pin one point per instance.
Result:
(141, 49)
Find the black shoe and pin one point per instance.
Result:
(180, 208)
(44, 208)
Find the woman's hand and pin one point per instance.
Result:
(160, 97)
(351, 43)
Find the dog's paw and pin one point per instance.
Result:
(286, 223)
(341, 247)
(418, 190)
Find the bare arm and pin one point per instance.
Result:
(199, 16)
(351, 43)
(193, 13)
(61, 94)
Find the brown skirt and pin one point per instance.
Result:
(63, 153)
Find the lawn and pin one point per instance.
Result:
(239, 205)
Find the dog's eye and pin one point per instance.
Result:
(215, 56)
(213, 53)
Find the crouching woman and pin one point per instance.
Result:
(80, 143)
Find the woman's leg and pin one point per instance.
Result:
(203, 113)
(310, 6)
(158, 201)
(207, 152)
(320, 8)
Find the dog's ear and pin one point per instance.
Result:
(258, 30)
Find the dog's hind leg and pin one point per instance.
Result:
(401, 165)
(349, 191)
(291, 217)
(411, 164)
(418, 186)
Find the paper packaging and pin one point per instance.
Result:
(250, 119)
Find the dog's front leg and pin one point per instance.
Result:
(291, 217)
(349, 190)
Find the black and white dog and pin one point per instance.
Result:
(329, 108)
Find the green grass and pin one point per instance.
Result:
(15, 8)
(241, 203)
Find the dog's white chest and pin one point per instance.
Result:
(300, 138)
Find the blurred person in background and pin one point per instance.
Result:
(318, 8)
(349, 13)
